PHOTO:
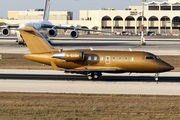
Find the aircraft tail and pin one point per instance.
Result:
(35, 41)
(46, 10)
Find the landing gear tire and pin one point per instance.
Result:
(97, 75)
(94, 75)
(90, 77)
(22, 43)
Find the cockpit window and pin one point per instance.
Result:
(157, 58)
(149, 58)
(152, 58)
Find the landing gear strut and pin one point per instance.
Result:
(156, 77)
(94, 75)
(24, 43)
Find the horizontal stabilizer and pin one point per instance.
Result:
(54, 66)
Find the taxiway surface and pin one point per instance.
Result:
(156, 45)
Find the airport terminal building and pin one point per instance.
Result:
(159, 17)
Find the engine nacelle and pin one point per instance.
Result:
(52, 32)
(70, 56)
(6, 31)
(75, 34)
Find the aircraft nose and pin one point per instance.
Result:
(168, 67)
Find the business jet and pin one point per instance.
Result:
(45, 26)
(91, 63)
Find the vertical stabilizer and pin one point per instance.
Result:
(46, 10)
(35, 40)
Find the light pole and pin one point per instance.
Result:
(142, 42)
(165, 25)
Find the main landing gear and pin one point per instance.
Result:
(94, 75)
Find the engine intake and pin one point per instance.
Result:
(6, 31)
(70, 56)
(75, 34)
(52, 32)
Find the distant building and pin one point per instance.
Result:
(37, 14)
(160, 17)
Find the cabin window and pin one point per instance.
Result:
(95, 57)
(89, 58)
(132, 59)
(114, 58)
(126, 59)
(101, 58)
(107, 58)
(119, 58)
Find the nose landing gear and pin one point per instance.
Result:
(156, 77)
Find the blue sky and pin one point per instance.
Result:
(66, 5)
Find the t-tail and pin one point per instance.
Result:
(46, 10)
(35, 41)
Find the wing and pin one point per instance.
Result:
(10, 26)
(71, 28)
(95, 69)
(6, 29)
(90, 70)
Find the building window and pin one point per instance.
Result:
(89, 58)
(119, 58)
(176, 8)
(165, 7)
(153, 7)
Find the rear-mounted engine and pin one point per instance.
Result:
(70, 56)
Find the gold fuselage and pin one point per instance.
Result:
(130, 61)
